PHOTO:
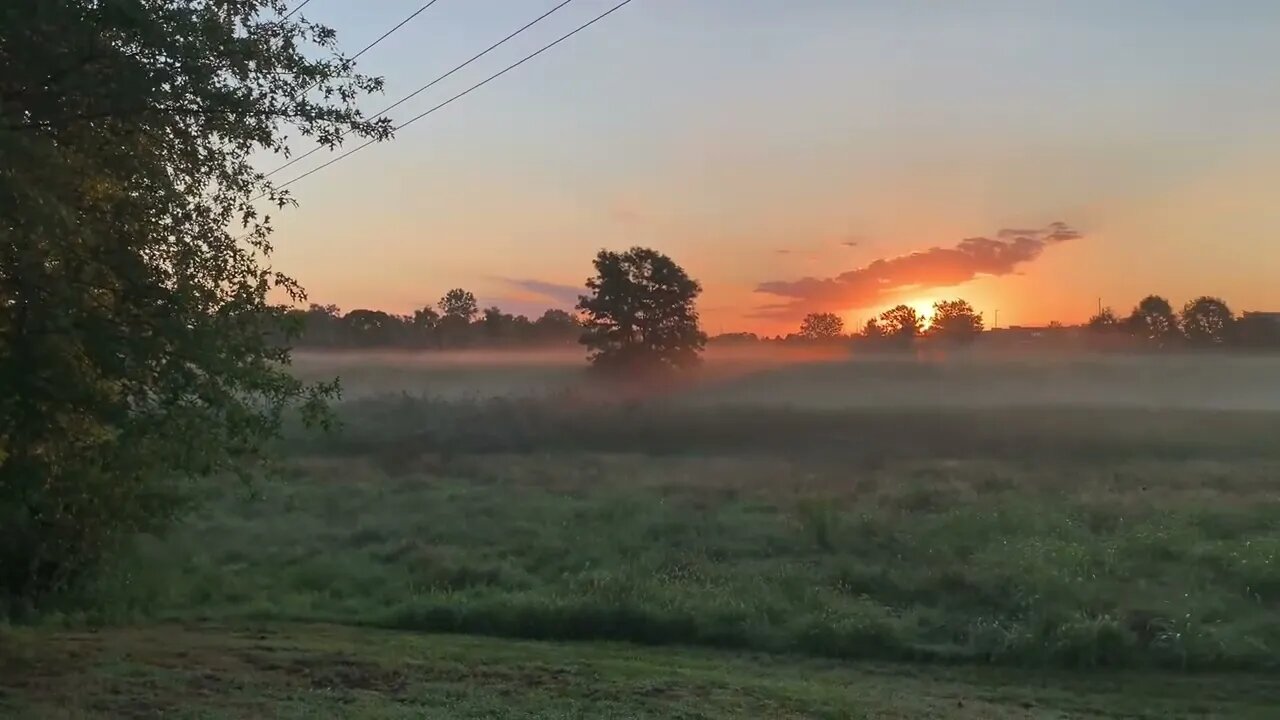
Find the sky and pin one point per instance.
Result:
(1034, 158)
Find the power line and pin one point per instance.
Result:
(301, 5)
(366, 49)
(387, 34)
(477, 86)
(429, 85)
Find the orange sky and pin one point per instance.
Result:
(753, 152)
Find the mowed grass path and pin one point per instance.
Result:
(315, 671)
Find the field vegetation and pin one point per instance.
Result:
(750, 511)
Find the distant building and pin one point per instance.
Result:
(1273, 317)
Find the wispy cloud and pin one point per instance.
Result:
(562, 295)
(879, 281)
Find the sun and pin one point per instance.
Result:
(922, 305)
(923, 308)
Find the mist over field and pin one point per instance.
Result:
(833, 378)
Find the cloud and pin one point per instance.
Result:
(562, 295)
(873, 284)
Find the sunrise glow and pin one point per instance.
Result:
(827, 202)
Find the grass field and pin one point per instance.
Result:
(868, 559)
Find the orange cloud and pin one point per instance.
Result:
(883, 279)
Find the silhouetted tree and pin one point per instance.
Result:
(1207, 322)
(459, 304)
(556, 327)
(370, 328)
(458, 309)
(872, 330)
(639, 313)
(734, 338)
(1153, 321)
(497, 326)
(321, 325)
(901, 324)
(1104, 321)
(424, 327)
(821, 326)
(955, 321)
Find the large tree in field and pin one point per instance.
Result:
(1207, 322)
(955, 321)
(821, 326)
(139, 338)
(638, 313)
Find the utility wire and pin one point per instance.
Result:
(477, 86)
(301, 5)
(428, 86)
(399, 25)
(366, 49)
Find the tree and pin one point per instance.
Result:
(424, 326)
(556, 327)
(1105, 321)
(639, 313)
(497, 325)
(901, 324)
(821, 326)
(459, 304)
(139, 338)
(1153, 321)
(872, 330)
(955, 321)
(370, 328)
(1207, 321)
(425, 319)
(318, 325)
(458, 309)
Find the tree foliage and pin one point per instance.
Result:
(821, 326)
(639, 313)
(138, 343)
(901, 324)
(955, 321)
(1104, 321)
(1153, 321)
(459, 305)
(326, 327)
(1207, 321)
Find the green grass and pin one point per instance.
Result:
(798, 555)
(1146, 563)
(316, 671)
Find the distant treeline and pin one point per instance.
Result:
(457, 321)
(1203, 323)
